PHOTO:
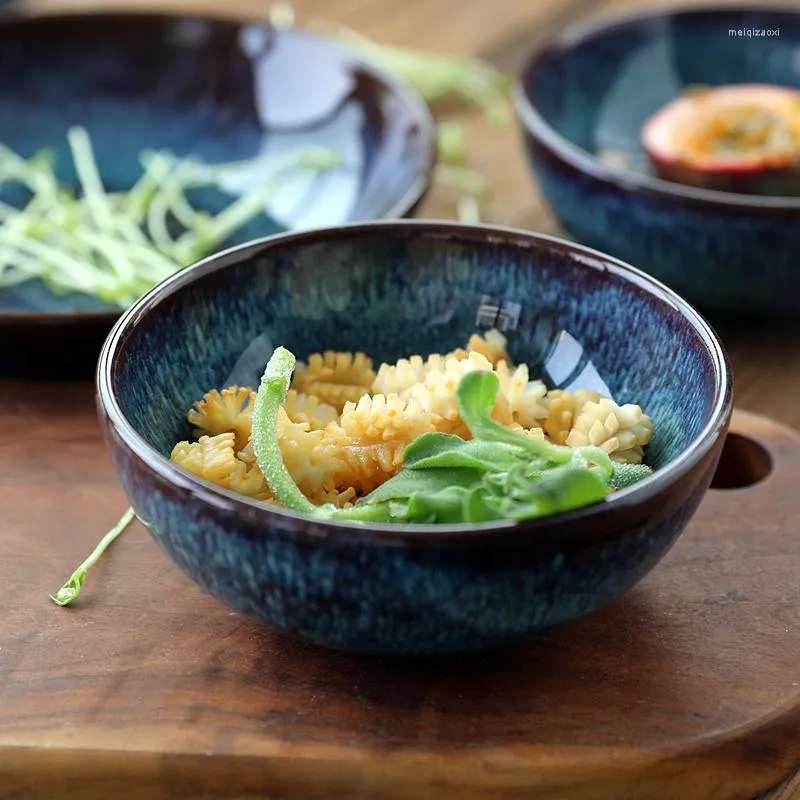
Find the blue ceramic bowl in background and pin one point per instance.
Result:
(223, 90)
(582, 100)
(577, 317)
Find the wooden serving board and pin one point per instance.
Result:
(689, 687)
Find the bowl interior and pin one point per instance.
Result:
(576, 319)
(598, 84)
(219, 89)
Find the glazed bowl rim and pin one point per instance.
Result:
(236, 504)
(395, 84)
(581, 32)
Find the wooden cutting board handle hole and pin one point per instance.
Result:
(744, 462)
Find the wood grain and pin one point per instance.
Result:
(150, 690)
(439, 25)
(688, 687)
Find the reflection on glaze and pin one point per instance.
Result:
(306, 200)
(569, 368)
(630, 100)
(300, 97)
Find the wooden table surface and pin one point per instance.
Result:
(766, 361)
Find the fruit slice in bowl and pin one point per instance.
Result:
(742, 138)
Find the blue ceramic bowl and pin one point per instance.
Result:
(223, 90)
(582, 99)
(577, 317)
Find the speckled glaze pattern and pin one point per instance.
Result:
(591, 89)
(218, 89)
(395, 289)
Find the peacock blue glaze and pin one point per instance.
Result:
(393, 289)
(582, 100)
(222, 90)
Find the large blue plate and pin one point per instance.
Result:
(224, 90)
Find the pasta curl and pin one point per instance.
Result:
(379, 417)
(402, 377)
(211, 457)
(311, 461)
(522, 398)
(221, 412)
(344, 498)
(248, 480)
(437, 392)
(301, 407)
(493, 346)
(309, 457)
(622, 431)
(562, 410)
(536, 433)
(335, 377)
(370, 465)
